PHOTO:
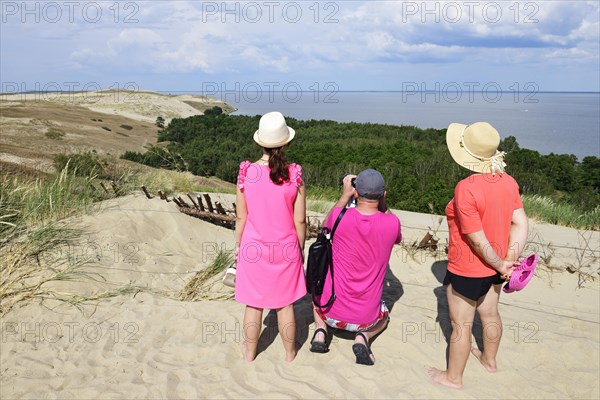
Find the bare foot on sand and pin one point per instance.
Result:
(289, 357)
(441, 377)
(489, 366)
(245, 354)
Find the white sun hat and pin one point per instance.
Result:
(273, 131)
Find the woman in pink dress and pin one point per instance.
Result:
(270, 234)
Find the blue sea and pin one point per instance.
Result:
(560, 123)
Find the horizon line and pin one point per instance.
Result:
(298, 91)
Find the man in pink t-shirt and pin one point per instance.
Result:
(361, 247)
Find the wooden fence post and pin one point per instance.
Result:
(163, 196)
(148, 195)
(219, 208)
(200, 204)
(425, 241)
(104, 187)
(182, 202)
(115, 188)
(189, 195)
(209, 203)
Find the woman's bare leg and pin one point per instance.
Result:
(462, 312)
(252, 328)
(492, 328)
(286, 322)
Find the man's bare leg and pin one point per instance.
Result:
(319, 323)
(380, 326)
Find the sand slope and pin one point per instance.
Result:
(36, 126)
(153, 346)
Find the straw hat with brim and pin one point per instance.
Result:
(273, 131)
(475, 147)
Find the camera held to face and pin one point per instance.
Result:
(352, 202)
(353, 180)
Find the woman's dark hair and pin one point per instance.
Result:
(279, 166)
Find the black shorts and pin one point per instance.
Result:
(472, 288)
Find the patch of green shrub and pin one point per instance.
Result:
(54, 133)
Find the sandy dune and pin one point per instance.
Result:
(36, 126)
(153, 346)
(139, 105)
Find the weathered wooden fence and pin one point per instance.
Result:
(202, 206)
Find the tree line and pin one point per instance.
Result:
(416, 164)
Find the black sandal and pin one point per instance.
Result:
(363, 351)
(319, 347)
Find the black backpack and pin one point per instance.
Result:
(320, 261)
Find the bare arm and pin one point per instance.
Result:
(240, 221)
(518, 234)
(347, 193)
(300, 216)
(482, 247)
(382, 206)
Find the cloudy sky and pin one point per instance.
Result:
(196, 46)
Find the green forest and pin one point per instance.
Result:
(418, 169)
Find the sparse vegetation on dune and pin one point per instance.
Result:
(546, 210)
(33, 231)
(32, 234)
(199, 287)
(54, 133)
(130, 176)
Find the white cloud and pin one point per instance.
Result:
(135, 38)
(262, 58)
(186, 37)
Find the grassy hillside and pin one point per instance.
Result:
(35, 128)
(419, 171)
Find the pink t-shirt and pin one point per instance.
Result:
(362, 246)
(481, 202)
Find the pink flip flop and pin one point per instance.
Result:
(522, 274)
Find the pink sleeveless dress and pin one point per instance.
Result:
(270, 272)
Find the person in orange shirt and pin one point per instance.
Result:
(488, 230)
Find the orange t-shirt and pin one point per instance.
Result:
(481, 202)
